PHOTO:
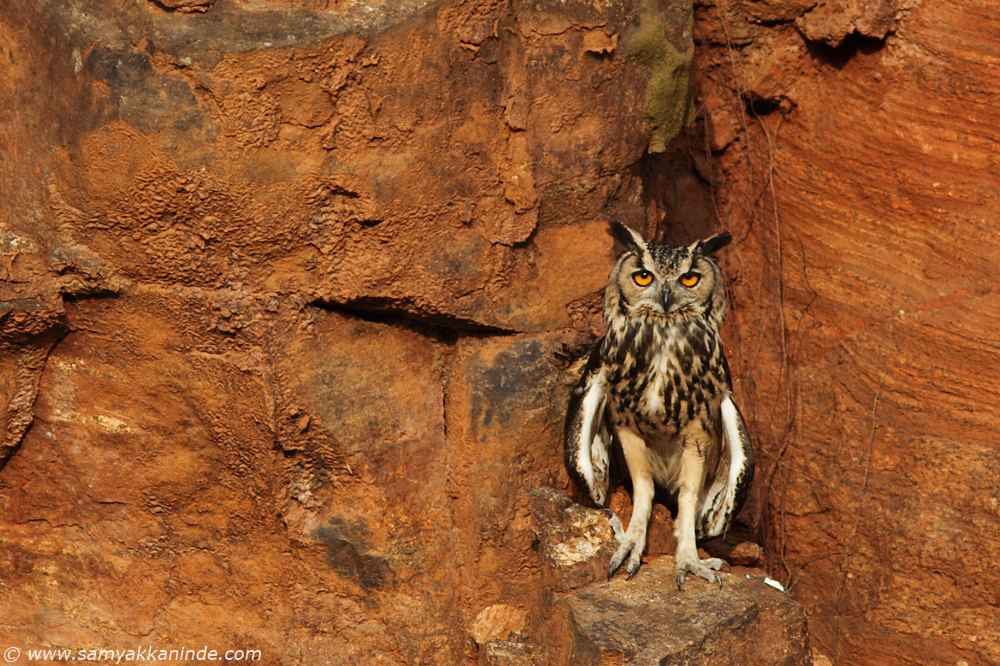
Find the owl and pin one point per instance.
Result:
(657, 385)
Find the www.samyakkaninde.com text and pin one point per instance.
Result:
(143, 654)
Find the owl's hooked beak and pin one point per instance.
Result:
(666, 298)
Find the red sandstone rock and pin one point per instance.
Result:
(576, 543)
(870, 375)
(647, 620)
(497, 622)
(280, 284)
(833, 20)
(280, 281)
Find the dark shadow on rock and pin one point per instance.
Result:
(677, 188)
(852, 45)
(348, 557)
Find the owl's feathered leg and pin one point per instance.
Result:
(691, 479)
(634, 539)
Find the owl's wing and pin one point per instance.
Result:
(724, 498)
(587, 438)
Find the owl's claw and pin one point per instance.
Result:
(616, 562)
(633, 569)
(633, 545)
(702, 568)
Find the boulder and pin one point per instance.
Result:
(648, 621)
(576, 543)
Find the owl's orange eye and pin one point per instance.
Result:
(642, 278)
(690, 279)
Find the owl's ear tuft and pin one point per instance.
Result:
(712, 244)
(628, 237)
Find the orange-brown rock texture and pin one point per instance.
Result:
(281, 281)
(281, 286)
(854, 155)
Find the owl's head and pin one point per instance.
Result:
(669, 282)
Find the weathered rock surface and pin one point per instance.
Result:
(280, 280)
(647, 621)
(576, 543)
(861, 185)
(280, 284)
(830, 22)
(509, 653)
(497, 622)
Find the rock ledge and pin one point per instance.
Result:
(647, 620)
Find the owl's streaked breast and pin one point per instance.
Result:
(664, 375)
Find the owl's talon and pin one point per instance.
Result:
(616, 562)
(633, 545)
(702, 568)
(633, 568)
(716, 563)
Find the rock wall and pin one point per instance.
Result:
(852, 149)
(281, 281)
(281, 286)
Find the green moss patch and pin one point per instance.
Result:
(668, 105)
